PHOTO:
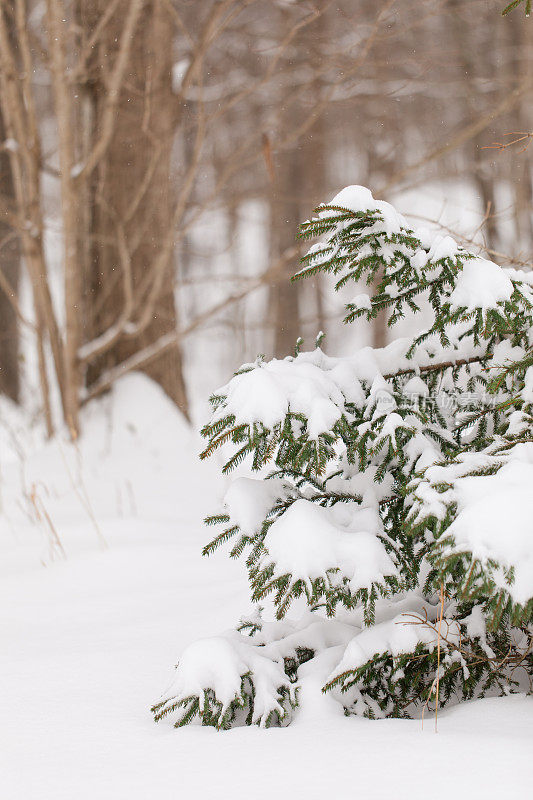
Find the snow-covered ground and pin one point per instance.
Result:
(98, 598)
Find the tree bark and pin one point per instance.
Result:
(130, 195)
(483, 174)
(10, 265)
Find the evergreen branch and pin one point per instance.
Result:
(441, 366)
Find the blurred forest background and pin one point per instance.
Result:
(157, 156)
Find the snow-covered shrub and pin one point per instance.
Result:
(397, 501)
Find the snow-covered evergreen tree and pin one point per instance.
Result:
(394, 495)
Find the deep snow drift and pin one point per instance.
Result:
(99, 598)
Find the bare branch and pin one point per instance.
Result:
(143, 357)
(113, 91)
(465, 135)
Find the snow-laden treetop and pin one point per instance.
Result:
(391, 480)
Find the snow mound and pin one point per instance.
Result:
(136, 458)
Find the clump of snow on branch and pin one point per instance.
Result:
(495, 521)
(249, 500)
(396, 636)
(481, 284)
(217, 677)
(310, 541)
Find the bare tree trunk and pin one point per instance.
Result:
(64, 108)
(284, 221)
(10, 266)
(132, 200)
(314, 187)
(521, 65)
(20, 122)
(470, 53)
